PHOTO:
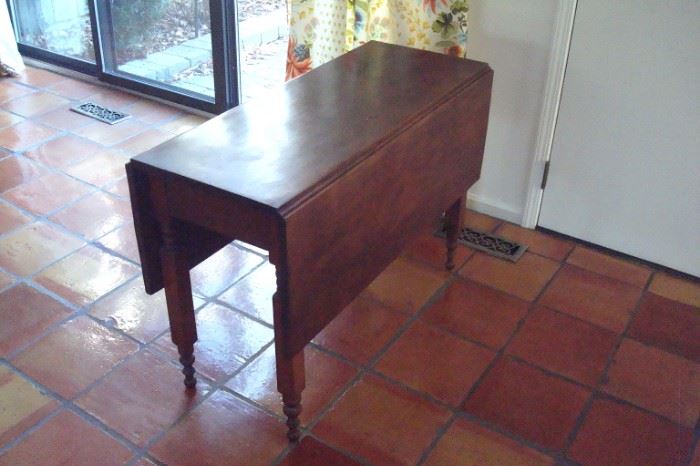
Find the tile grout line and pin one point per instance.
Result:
(214, 386)
(365, 369)
(141, 348)
(73, 406)
(362, 370)
(62, 404)
(92, 189)
(500, 354)
(32, 428)
(370, 370)
(553, 310)
(84, 309)
(71, 101)
(146, 346)
(232, 285)
(597, 392)
(291, 447)
(351, 382)
(239, 311)
(463, 414)
(46, 217)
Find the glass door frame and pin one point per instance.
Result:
(224, 33)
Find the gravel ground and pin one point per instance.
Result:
(178, 25)
(261, 68)
(248, 8)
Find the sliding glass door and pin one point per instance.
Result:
(167, 42)
(179, 50)
(60, 28)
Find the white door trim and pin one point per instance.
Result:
(561, 41)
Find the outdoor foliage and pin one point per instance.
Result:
(134, 24)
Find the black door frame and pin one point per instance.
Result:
(224, 33)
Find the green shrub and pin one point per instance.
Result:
(134, 25)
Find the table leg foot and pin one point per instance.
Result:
(454, 217)
(292, 409)
(290, 383)
(290, 366)
(188, 371)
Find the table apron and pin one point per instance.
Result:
(339, 241)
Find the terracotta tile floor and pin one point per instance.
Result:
(571, 356)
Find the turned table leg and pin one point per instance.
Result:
(290, 383)
(290, 368)
(178, 294)
(454, 217)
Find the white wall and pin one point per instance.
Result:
(515, 38)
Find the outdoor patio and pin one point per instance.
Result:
(262, 45)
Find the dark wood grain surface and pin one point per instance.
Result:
(281, 149)
(342, 239)
(333, 174)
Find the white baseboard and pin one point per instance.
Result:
(494, 208)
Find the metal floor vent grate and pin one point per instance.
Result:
(101, 113)
(488, 243)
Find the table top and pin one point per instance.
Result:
(280, 150)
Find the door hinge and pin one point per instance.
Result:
(545, 174)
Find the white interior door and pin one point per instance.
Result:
(625, 163)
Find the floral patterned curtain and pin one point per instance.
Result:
(321, 30)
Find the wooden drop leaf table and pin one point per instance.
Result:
(333, 174)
